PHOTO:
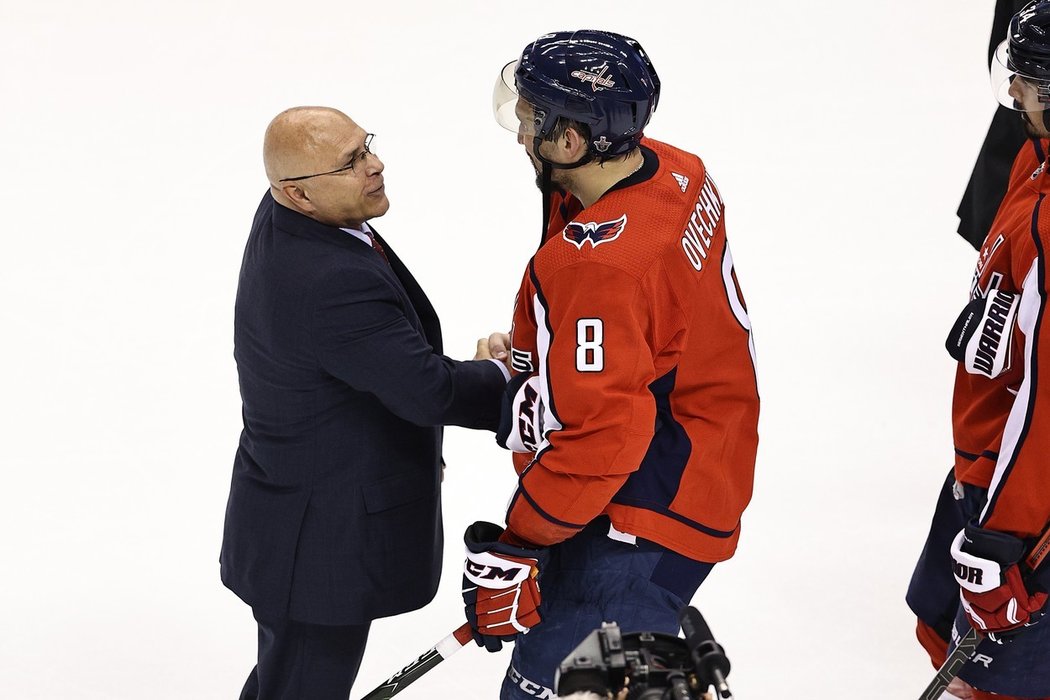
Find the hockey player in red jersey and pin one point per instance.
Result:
(996, 502)
(634, 407)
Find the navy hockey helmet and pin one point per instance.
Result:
(601, 79)
(1025, 55)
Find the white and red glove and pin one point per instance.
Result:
(997, 595)
(501, 592)
(522, 415)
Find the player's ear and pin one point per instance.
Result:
(574, 144)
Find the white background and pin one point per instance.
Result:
(841, 136)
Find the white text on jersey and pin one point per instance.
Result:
(696, 239)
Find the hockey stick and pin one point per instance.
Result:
(415, 670)
(967, 646)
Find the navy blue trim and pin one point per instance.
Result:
(993, 498)
(510, 506)
(987, 454)
(659, 474)
(658, 479)
(667, 512)
(1038, 146)
(546, 516)
(650, 164)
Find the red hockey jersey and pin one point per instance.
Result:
(631, 316)
(1001, 425)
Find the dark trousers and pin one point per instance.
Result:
(298, 661)
(590, 579)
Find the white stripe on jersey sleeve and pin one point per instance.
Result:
(1027, 315)
(543, 346)
(733, 295)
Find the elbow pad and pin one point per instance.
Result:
(521, 418)
(982, 337)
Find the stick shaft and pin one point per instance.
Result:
(952, 665)
(418, 668)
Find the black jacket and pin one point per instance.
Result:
(991, 173)
(334, 514)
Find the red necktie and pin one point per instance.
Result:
(378, 248)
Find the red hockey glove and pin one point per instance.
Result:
(995, 593)
(501, 591)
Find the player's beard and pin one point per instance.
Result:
(538, 169)
(557, 180)
(1033, 130)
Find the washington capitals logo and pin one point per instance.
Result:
(596, 233)
(597, 79)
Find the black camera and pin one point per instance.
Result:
(652, 665)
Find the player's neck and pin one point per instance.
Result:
(593, 180)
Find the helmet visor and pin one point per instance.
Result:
(1015, 90)
(505, 98)
(511, 110)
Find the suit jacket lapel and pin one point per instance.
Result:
(424, 309)
(297, 224)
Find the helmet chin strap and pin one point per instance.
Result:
(545, 192)
(1046, 120)
(545, 182)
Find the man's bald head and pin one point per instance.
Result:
(298, 141)
(328, 172)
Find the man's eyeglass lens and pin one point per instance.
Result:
(357, 158)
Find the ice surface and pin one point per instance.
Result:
(841, 137)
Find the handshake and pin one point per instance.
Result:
(495, 347)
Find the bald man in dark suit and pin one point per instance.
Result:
(334, 516)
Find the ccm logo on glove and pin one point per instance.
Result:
(490, 571)
(501, 592)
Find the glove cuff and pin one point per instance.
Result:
(508, 416)
(480, 535)
(997, 546)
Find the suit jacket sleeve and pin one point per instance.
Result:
(364, 336)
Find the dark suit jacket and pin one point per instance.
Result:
(334, 514)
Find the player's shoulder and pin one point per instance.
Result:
(1029, 167)
(679, 196)
(677, 176)
(682, 188)
(635, 223)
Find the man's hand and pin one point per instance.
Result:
(495, 347)
(960, 689)
(994, 591)
(501, 592)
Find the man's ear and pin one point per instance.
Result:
(297, 195)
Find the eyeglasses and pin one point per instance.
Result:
(356, 158)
